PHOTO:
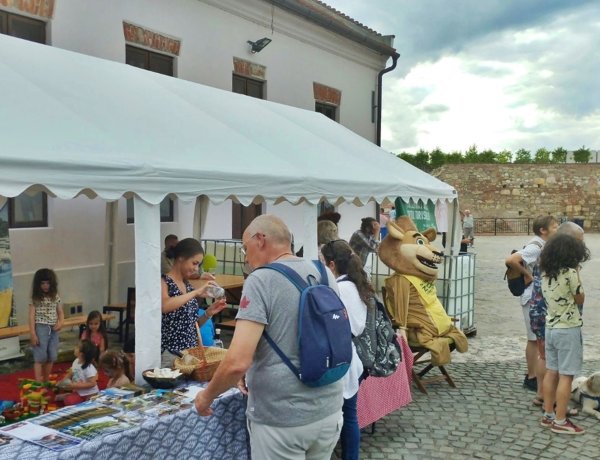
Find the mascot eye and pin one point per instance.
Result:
(420, 241)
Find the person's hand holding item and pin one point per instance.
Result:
(216, 307)
(376, 228)
(203, 290)
(241, 385)
(202, 403)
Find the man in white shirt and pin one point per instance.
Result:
(524, 262)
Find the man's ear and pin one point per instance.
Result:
(430, 234)
(394, 231)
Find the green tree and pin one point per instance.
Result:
(542, 156)
(582, 155)
(504, 157)
(471, 155)
(522, 156)
(437, 158)
(488, 156)
(559, 155)
(408, 157)
(422, 160)
(455, 158)
(419, 160)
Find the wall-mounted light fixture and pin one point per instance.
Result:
(258, 45)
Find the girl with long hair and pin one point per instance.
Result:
(356, 292)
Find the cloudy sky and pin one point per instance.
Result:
(501, 74)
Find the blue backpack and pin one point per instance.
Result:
(324, 335)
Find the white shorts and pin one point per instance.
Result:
(530, 335)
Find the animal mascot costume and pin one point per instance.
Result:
(411, 296)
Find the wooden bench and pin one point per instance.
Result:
(69, 321)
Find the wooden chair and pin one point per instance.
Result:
(421, 356)
(121, 309)
(130, 311)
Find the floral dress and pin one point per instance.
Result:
(178, 331)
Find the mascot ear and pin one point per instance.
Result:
(395, 231)
(430, 233)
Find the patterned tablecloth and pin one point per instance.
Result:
(181, 435)
(377, 397)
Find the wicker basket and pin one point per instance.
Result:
(205, 363)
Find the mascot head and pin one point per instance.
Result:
(409, 252)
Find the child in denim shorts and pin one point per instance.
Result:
(46, 317)
(562, 290)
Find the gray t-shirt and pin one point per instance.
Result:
(276, 397)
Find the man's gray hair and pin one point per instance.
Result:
(570, 228)
(272, 226)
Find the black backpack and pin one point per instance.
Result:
(377, 346)
(514, 278)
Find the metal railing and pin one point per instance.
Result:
(455, 286)
(500, 225)
(228, 254)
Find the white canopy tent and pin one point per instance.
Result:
(73, 124)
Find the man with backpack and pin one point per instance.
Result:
(287, 417)
(524, 261)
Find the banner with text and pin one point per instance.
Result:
(422, 213)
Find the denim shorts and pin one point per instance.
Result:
(564, 350)
(47, 350)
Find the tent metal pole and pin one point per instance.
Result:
(147, 287)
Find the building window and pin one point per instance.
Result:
(27, 211)
(241, 218)
(167, 210)
(248, 86)
(22, 27)
(242, 215)
(330, 111)
(149, 60)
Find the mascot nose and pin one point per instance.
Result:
(438, 253)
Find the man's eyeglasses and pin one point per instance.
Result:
(243, 248)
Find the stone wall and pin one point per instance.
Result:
(517, 190)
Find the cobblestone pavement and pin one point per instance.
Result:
(490, 415)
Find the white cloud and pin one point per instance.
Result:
(500, 75)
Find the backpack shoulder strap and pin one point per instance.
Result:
(535, 243)
(281, 354)
(289, 273)
(321, 267)
(300, 284)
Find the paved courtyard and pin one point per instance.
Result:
(490, 415)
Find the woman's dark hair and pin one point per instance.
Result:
(186, 248)
(90, 352)
(366, 225)
(95, 314)
(560, 252)
(44, 274)
(115, 360)
(349, 264)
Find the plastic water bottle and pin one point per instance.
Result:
(218, 342)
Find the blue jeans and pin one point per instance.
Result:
(350, 437)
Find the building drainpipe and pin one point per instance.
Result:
(395, 57)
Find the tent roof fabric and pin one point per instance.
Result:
(73, 124)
